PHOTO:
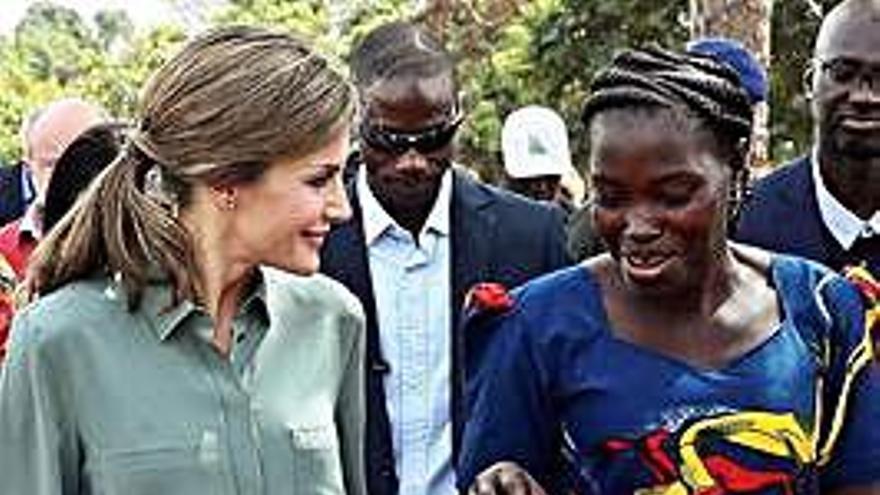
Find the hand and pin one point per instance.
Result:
(505, 478)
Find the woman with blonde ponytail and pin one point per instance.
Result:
(182, 342)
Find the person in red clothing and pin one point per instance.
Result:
(44, 140)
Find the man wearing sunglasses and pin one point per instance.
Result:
(421, 235)
(826, 206)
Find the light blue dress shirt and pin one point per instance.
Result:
(411, 284)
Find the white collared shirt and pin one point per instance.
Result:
(845, 226)
(411, 284)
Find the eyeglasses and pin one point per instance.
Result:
(849, 72)
(425, 141)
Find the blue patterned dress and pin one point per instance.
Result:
(551, 388)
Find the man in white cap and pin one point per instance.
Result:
(534, 142)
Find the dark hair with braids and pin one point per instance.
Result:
(694, 86)
(399, 49)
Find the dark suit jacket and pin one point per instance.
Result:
(12, 198)
(495, 236)
(783, 215)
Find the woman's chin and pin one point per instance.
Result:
(306, 270)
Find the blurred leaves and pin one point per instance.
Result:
(794, 28)
(510, 53)
(53, 52)
(547, 55)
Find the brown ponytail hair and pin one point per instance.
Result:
(229, 103)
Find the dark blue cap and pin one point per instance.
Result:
(751, 73)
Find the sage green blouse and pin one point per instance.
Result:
(95, 399)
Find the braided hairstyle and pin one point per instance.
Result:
(399, 49)
(694, 86)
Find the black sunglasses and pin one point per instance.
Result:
(396, 142)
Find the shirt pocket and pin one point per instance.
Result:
(168, 468)
(317, 468)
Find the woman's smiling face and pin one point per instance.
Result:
(661, 193)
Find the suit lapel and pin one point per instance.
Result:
(473, 232)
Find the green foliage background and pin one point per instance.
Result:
(793, 30)
(546, 53)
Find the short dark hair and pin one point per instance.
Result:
(399, 49)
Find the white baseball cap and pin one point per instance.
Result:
(534, 142)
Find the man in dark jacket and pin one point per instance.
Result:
(826, 205)
(16, 192)
(422, 234)
(16, 183)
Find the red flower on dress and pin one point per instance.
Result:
(490, 297)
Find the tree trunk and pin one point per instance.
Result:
(747, 21)
(436, 15)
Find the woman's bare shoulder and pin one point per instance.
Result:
(758, 259)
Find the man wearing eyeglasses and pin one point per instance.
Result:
(422, 233)
(826, 206)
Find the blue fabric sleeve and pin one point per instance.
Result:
(558, 255)
(855, 458)
(510, 412)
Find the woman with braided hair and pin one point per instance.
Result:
(679, 362)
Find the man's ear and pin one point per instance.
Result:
(807, 80)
